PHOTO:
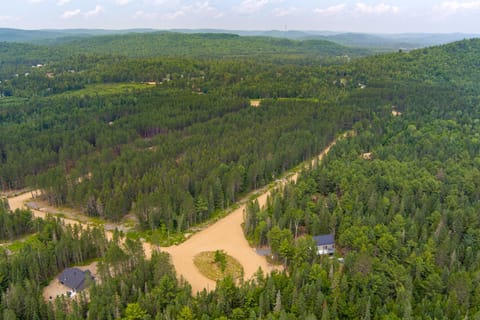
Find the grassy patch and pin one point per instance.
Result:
(107, 89)
(157, 237)
(11, 101)
(212, 269)
(96, 221)
(217, 215)
(17, 245)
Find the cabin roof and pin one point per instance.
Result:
(324, 239)
(73, 278)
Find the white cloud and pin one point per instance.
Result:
(332, 10)
(452, 7)
(71, 13)
(62, 2)
(7, 19)
(123, 2)
(251, 6)
(199, 8)
(140, 14)
(283, 12)
(378, 9)
(206, 8)
(98, 9)
(175, 15)
(170, 3)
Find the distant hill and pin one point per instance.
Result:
(16, 35)
(390, 42)
(395, 41)
(207, 45)
(18, 58)
(49, 36)
(382, 42)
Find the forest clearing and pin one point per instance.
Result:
(55, 288)
(255, 103)
(20, 202)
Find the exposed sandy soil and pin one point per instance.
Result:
(255, 103)
(54, 289)
(226, 234)
(395, 112)
(18, 202)
(367, 156)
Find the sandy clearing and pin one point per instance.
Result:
(255, 103)
(367, 156)
(395, 112)
(227, 234)
(55, 288)
(19, 202)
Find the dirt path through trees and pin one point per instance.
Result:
(19, 202)
(225, 234)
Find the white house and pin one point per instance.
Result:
(325, 244)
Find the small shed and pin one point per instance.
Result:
(74, 278)
(325, 243)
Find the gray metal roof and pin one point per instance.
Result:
(324, 239)
(73, 278)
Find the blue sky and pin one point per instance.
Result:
(335, 15)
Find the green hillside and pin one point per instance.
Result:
(18, 58)
(211, 45)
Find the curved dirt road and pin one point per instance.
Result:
(226, 234)
(19, 202)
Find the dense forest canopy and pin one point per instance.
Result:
(17, 58)
(172, 138)
(74, 127)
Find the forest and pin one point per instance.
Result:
(68, 133)
(400, 194)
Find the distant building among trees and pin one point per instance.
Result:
(325, 243)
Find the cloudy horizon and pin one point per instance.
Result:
(342, 16)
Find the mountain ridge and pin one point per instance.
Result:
(389, 42)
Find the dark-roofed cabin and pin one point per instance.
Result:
(74, 278)
(325, 243)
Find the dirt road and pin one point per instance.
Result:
(226, 234)
(19, 202)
